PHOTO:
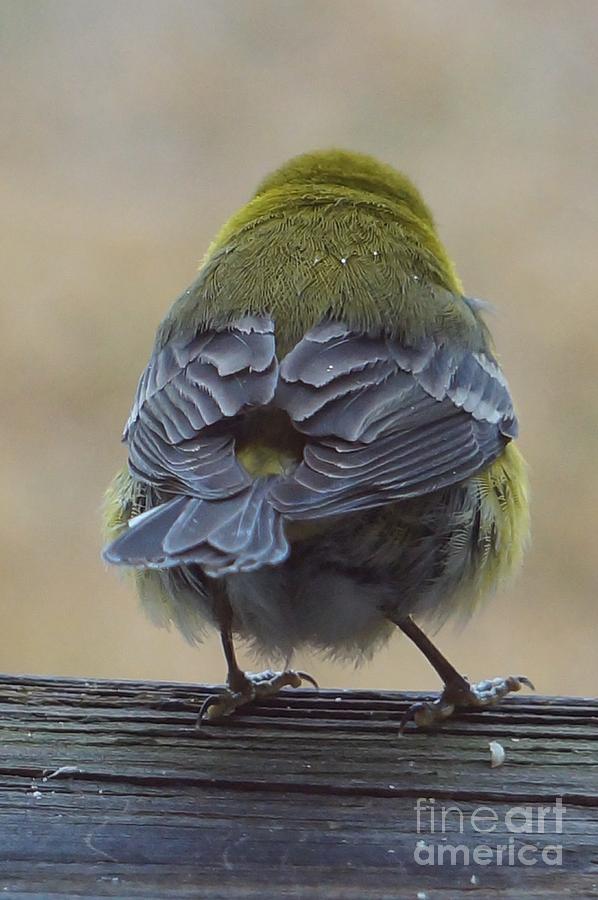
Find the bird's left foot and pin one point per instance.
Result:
(253, 686)
(460, 694)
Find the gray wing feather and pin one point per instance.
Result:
(189, 386)
(219, 519)
(386, 421)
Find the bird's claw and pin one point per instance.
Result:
(425, 715)
(463, 695)
(256, 686)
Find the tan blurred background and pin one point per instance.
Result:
(132, 128)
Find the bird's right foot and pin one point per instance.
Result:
(460, 694)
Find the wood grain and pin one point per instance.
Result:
(108, 790)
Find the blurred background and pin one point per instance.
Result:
(131, 129)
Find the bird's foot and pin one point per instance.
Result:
(252, 686)
(460, 694)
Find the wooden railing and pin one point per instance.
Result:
(108, 790)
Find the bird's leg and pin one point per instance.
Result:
(458, 692)
(243, 687)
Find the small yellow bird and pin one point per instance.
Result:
(321, 445)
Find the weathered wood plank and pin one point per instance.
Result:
(107, 790)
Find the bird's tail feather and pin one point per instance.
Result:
(234, 534)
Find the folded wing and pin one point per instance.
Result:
(181, 442)
(386, 421)
(188, 389)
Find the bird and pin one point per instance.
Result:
(322, 447)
